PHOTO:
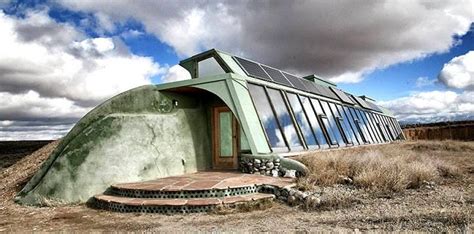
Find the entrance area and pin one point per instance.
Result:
(224, 138)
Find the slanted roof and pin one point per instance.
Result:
(264, 73)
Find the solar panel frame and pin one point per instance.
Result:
(342, 96)
(252, 69)
(296, 81)
(276, 75)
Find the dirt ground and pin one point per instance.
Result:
(446, 206)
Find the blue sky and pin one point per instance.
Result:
(414, 57)
(400, 79)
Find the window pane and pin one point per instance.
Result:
(313, 119)
(265, 113)
(359, 125)
(332, 123)
(209, 67)
(365, 127)
(369, 125)
(301, 119)
(384, 128)
(225, 134)
(284, 118)
(324, 122)
(345, 124)
(350, 120)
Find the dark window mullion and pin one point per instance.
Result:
(352, 124)
(327, 129)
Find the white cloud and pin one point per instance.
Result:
(176, 73)
(338, 40)
(424, 81)
(459, 72)
(53, 71)
(432, 106)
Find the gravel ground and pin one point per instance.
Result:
(447, 206)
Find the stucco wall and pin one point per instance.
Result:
(124, 144)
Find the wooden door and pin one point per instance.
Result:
(224, 138)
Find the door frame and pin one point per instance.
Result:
(229, 163)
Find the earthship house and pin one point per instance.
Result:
(232, 112)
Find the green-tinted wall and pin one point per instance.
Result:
(135, 136)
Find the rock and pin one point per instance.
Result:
(263, 168)
(277, 160)
(257, 161)
(255, 169)
(268, 173)
(269, 165)
(345, 179)
(291, 200)
(275, 173)
(290, 174)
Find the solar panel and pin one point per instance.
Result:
(295, 81)
(342, 96)
(374, 107)
(253, 69)
(276, 75)
(362, 103)
(327, 92)
(310, 86)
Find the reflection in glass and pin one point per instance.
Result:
(313, 119)
(332, 123)
(344, 123)
(360, 126)
(265, 113)
(209, 67)
(377, 132)
(324, 121)
(301, 119)
(350, 120)
(372, 129)
(284, 118)
(367, 124)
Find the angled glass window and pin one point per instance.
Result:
(342, 121)
(375, 126)
(332, 122)
(285, 120)
(244, 143)
(344, 110)
(267, 117)
(384, 127)
(379, 127)
(371, 128)
(302, 120)
(313, 120)
(360, 125)
(209, 67)
(331, 137)
(389, 127)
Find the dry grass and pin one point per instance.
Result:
(386, 168)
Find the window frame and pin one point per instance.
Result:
(303, 136)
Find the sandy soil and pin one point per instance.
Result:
(447, 206)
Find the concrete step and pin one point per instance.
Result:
(172, 205)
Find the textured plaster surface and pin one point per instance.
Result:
(156, 141)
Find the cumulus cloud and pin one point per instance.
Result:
(52, 71)
(432, 106)
(459, 72)
(176, 73)
(338, 40)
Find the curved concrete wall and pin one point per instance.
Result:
(137, 135)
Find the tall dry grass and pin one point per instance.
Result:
(386, 168)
